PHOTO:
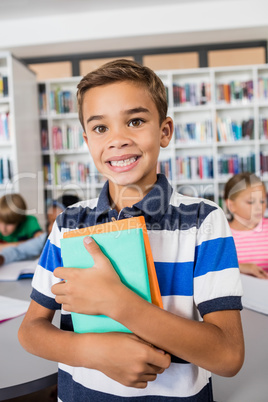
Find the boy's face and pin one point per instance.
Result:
(7, 228)
(123, 133)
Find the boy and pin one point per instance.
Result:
(122, 108)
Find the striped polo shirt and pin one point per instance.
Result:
(197, 270)
(252, 245)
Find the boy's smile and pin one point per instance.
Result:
(124, 135)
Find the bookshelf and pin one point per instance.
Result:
(20, 161)
(67, 164)
(220, 117)
(221, 128)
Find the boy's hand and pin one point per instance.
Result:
(127, 359)
(90, 290)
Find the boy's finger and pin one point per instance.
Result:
(60, 272)
(93, 249)
(160, 360)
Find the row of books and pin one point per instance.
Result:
(5, 170)
(231, 130)
(67, 136)
(263, 127)
(62, 102)
(165, 167)
(234, 92)
(76, 172)
(233, 164)
(194, 167)
(264, 162)
(3, 86)
(263, 88)
(48, 178)
(191, 94)
(196, 132)
(66, 172)
(42, 102)
(4, 126)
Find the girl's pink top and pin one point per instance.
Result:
(252, 245)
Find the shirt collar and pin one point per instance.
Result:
(153, 205)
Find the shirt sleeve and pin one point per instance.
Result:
(25, 251)
(217, 283)
(43, 278)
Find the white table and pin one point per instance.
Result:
(21, 372)
(251, 383)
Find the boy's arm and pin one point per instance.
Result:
(123, 357)
(215, 344)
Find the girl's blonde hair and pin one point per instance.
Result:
(240, 182)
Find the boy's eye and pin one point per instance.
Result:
(100, 129)
(135, 122)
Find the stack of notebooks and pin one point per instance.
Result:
(126, 243)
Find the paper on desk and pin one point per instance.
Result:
(17, 270)
(255, 293)
(11, 308)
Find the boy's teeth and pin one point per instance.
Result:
(125, 162)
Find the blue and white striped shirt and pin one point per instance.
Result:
(197, 270)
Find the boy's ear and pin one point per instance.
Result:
(167, 128)
(85, 138)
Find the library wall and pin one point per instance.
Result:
(89, 65)
(46, 71)
(172, 61)
(236, 57)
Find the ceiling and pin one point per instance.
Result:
(39, 28)
(18, 9)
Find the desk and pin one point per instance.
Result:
(251, 383)
(21, 372)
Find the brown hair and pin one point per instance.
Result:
(240, 182)
(12, 209)
(124, 70)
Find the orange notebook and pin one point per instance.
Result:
(126, 224)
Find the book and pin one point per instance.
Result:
(12, 308)
(126, 243)
(18, 270)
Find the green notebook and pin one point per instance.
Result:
(125, 249)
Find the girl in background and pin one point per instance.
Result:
(245, 198)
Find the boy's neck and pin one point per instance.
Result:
(126, 196)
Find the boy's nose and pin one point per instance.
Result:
(119, 140)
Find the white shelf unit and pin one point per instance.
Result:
(249, 81)
(20, 151)
(200, 163)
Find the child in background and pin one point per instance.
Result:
(171, 351)
(32, 248)
(245, 197)
(15, 225)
